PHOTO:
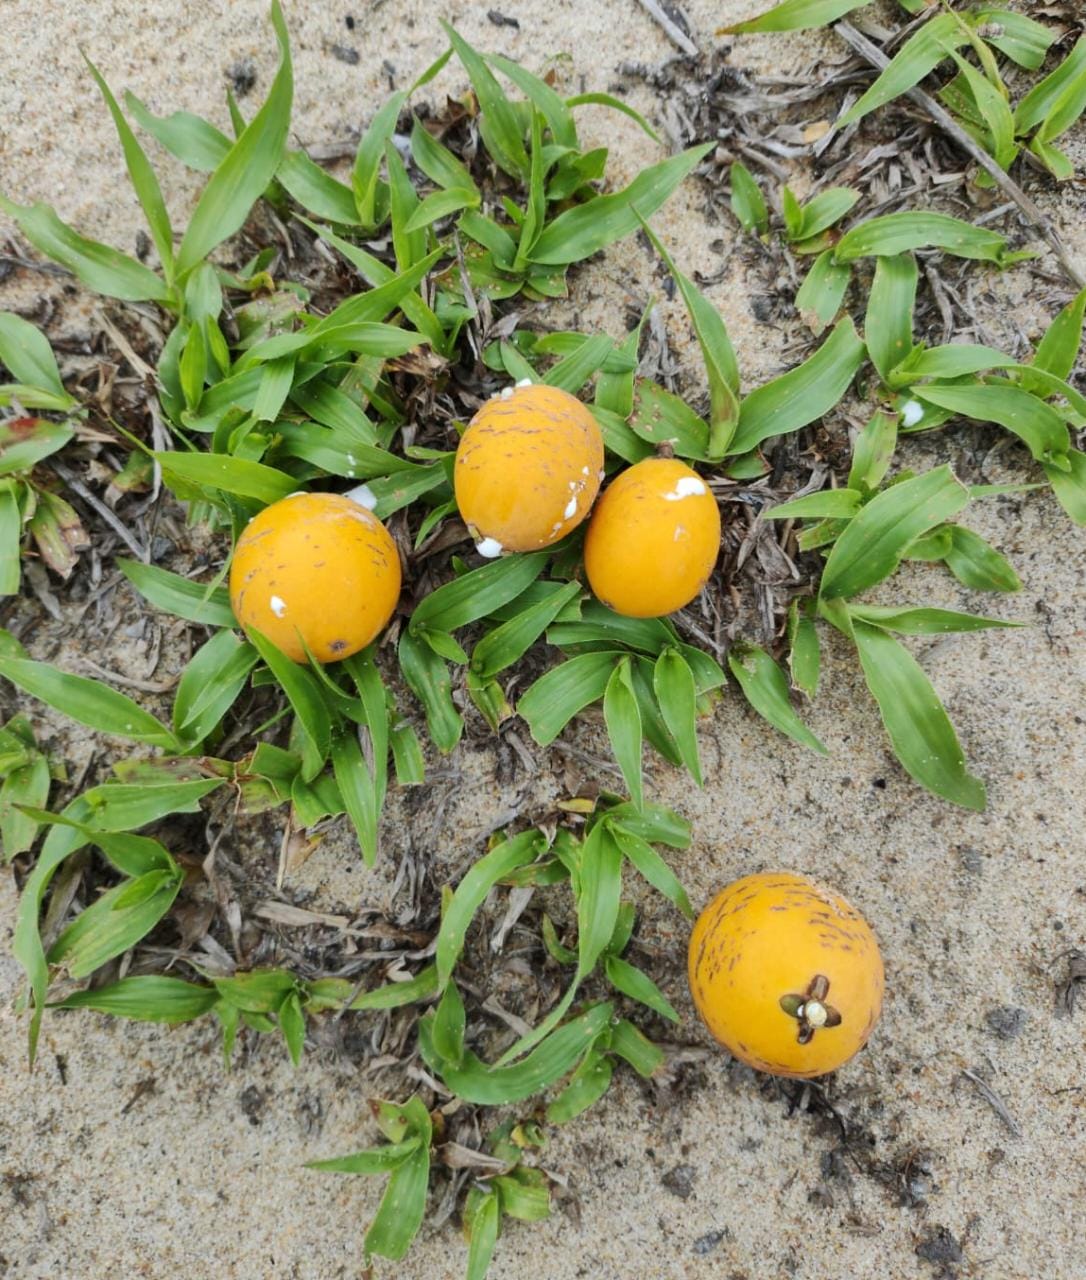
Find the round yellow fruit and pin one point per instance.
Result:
(653, 539)
(528, 468)
(786, 975)
(318, 568)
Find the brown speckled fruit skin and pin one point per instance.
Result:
(766, 936)
(646, 553)
(522, 460)
(331, 565)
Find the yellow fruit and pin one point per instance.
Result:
(315, 567)
(785, 974)
(528, 469)
(653, 539)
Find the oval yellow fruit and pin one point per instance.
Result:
(786, 974)
(653, 539)
(528, 469)
(318, 568)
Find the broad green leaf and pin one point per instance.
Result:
(438, 162)
(652, 867)
(509, 642)
(555, 698)
(1065, 110)
(676, 694)
(920, 730)
(586, 1086)
(623, 720)
(874, 542)
(599, 895)
(952, 361)
(994, 110)
(409, 245)
(25, 442)
(370, 192)
(804, 654)
(100, 268)
(922, 621)
(121, 807)
(89, 702)
(717, 356)
(428, 679)
(146, 998)
(402, 1207)
(110, 926)
(830, 504)
(919, 55)
(307, 702)
(1070, 486)
(802, 394)
(142, 176)
(1038, 425)
(661, 417)
(543, 97)
(502, 131)
(1058, 350)
(635, 1048)
(317, 191)
(653, 822)
(26, 353)
(397, 994)
(822, 292)
(256, 990)
(748, 203)
(471, 892)
(897, 233)
(292, 1025)
(11, 531)
(439, 205)
(243, 174)
(766, 689)
(888, 326)
(357, 787)
(795, 15)
(585, 229)
(210, 685)
(236, 476)
(26, 786)
(571, 372)
(375, 1160)
(826, 208)
(632, 982)
(1020, 38)
(476, 1082)
(190, 138)
(976, 564)
(1061, 85)
(477, 593)
(196, 601)
(482, 1226)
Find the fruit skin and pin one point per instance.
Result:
(528, 468)
(320, 565)
(653, 539)
(768, 936)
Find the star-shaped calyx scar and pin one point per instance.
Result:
(810, 1009)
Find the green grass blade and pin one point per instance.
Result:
(623, 719)
(143, 178)
(190, 138)
(554, 699)
(875, 541)
(478, 593)
(922, 735)
(99, 267)
(402, 1207)
(427, 677)
(248, 167)
(584, 230)
(502, 131)
(306, 699)
(802, 394)
(210, 685)
(1042, 99)
(917, 57)
(1035, 423)
(509, 642)
(146, 998)
(598, 897)
(978, 565)
(795, 15)
(822, 292)
(888, 326)
(195, 601)
(237, 476)
(1070, 486)
(766, 689)
(896, 233)
(316, 191)
(26, 353)
(748, 203)
(673, 684)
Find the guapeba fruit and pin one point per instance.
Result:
(653, 539)
(528, 468)
(318, 568)
(786, 974)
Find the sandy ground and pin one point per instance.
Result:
(131, 1152)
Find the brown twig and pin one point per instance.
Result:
(874, 55)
